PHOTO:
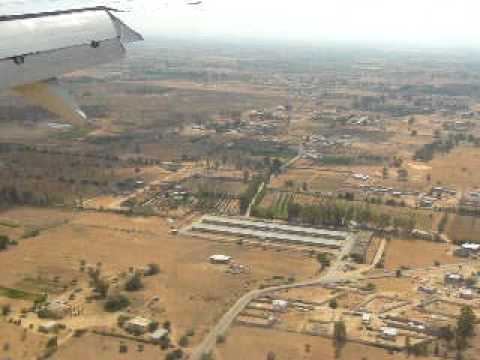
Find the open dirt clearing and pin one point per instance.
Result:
(416, 253)
(464, 228)
(91, 346)
(458, 169)
(249, 343)
(193, 293)
(20, 345)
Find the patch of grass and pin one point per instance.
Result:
(9, 223)
(18, 294)
(30, 233)
(74, 133)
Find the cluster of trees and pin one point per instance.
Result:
(465, 327)
(349, 196)
(335, 213)
(10, 195)
(116, 302)
(351, 159)
(427, 152)
(443, 146)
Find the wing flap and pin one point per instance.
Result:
(49, 65)
(52, 96)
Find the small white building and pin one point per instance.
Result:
(48, 327)
(361, 177)
(466, 294)
(158, 335)
(280, 305)
(137, 325)
(220, 259)
(388, 333)
(366, 318)
(453, 279)
(471, 247)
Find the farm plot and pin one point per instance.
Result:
(464, 228)
(416, 253)
(275, 205)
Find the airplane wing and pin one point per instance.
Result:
(37, 48)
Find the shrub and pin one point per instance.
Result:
(52, 342)
(183, 342)
(153, 269)
(4, 241)
(6, 309)
(134, 283)
(221, 339)
(370, 287)
(153, 326)
(116, 303)
(122, 319)
(333, 304)
(123, 348)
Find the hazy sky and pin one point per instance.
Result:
(438, 22)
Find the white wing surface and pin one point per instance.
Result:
(36, 48)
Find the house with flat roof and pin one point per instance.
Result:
(137, 325)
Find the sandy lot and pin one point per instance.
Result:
(416, 253)
(20, 345)
(91, 346)
(193, 293)
(458, 169)
(464, 228)
(249, 343)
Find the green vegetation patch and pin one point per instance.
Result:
(9, 223)
(18, 294)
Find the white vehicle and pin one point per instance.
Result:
(35, 49)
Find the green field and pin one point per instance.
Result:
(18, 294)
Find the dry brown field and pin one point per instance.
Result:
(458, 169)
(21, 345)
(416, 253)
(250, 343)
(91, 346)
(120, 242)
(463, 228)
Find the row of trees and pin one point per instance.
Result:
(10, 195)
(335, 213)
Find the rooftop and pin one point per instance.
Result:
(268, 226)
(267, 235)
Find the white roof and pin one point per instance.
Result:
(49, 325)
(280, 302)
(389, 331)
(454, 276)
(159, 333)
(471, 246)
(269, 226)
(220, 257)
(139, 321)
(366, 316)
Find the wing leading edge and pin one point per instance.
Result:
(35, 49)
